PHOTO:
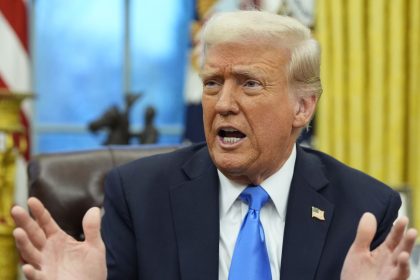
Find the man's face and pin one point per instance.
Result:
(249, 114)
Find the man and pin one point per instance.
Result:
(249, 204)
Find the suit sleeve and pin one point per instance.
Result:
(385, 224)
(117, 231)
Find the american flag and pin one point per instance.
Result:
(15, 75)
(318, 213)
(14, 46)
(14, 79)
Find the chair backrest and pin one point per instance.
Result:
(68, 184)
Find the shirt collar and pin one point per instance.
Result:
(277, 186)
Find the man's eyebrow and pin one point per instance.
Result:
(237, 70)
(247, 72)
(207, 73)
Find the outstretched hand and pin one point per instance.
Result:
(49, 253)
(389, 261)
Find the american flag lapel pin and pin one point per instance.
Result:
(318, 213)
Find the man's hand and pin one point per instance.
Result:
(389, 261)
(49, 253)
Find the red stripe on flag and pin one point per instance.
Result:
(15, 13)
(2, 83)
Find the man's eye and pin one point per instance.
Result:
(252, 84)
(211, 87)
(211, 84)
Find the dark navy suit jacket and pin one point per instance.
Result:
(162, 216)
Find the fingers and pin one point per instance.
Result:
(365, 232)
(409, 241)
(91, 226)
(27, 250)
(402, 271)
(397, 233)
(24, 221)
(31, 273)
(400, 242)
(43, 217)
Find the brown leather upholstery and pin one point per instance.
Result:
(70, 183)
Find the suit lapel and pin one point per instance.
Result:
(304, 236)
(195, 206)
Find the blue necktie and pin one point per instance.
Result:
(250, 258)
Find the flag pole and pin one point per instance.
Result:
(32, 43)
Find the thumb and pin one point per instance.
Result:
(91, 226)
(365, 232)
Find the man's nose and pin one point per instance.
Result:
(227, 103)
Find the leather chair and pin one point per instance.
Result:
(68, 184)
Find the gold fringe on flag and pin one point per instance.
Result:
(9, 125)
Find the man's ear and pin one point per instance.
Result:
(305, 108)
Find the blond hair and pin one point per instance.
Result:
(250, 26)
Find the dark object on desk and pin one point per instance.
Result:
(117, 126)
(116, 122)
(150, 134)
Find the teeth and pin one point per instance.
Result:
(231, 140)
(230, 129)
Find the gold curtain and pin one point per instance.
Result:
(369, 117)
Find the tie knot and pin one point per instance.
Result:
(255, 197)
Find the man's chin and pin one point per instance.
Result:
(230, 164)
(236, 175)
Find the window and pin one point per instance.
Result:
(79, 67)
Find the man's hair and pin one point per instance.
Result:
(253, 26)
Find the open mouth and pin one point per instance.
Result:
(230, 135)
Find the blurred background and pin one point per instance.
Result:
(70, 70)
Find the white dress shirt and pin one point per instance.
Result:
(273, 215)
